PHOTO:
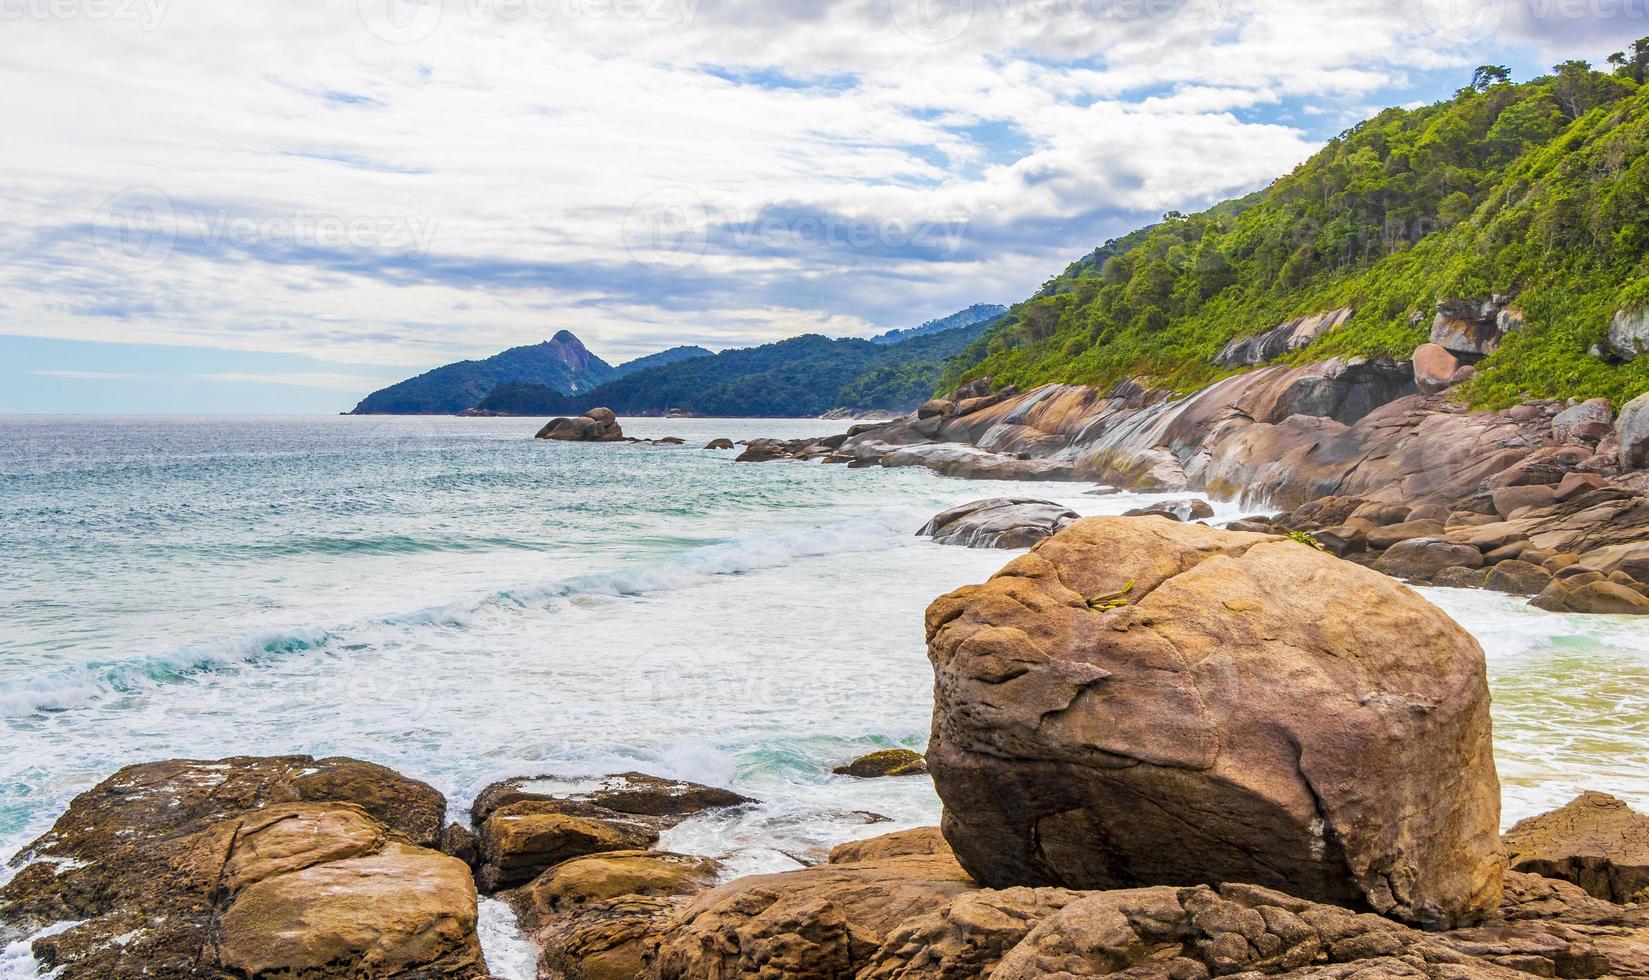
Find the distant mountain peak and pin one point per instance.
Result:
(977, 313)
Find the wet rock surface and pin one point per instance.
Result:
(287, 866)
(1107, 715)
(527, 825)
(1000, 522)
(888, 762)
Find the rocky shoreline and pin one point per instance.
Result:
(1164, 751)
(1374, 458)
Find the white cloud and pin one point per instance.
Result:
(308, 186)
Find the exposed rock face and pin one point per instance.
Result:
(530, 824)
(1471, 327)
(888, 762)
(596, 425)
(1629, 335)
(719, 444)
(1597, 842)
(1633, 432)
(1283, 339)
(819, 924)
(1000, 522)
(1107, 714)
(1585, 423)
(286, 866)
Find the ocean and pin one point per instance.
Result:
(453, 599)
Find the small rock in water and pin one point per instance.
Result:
(1179, 510)
(888, 762)
(998, 523)
(719, 444)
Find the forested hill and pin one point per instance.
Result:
(976, 313)
(1536, 191)
(560, 364)
(797, 378)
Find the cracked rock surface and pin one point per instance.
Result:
(1140, 702)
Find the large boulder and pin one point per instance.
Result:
(1141, 702)
(596, 425)
(1629, 335)
(1597, 842)
(1585, 423)
(1434, 368)
(287, 866)
(1421, 559)
(998, 523)
(1632, 428)
(1594, 597)
(1294, 335)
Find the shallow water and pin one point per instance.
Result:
(455, 600)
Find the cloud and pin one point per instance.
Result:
(404, 182)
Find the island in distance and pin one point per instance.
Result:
(797, 378)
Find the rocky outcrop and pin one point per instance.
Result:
(1629, 335)
(1587, 423)
(287, 866)
(1596, 842)
(998, 523)
(1473, 328)
(1108, 714)
(530, 824)
(1632, 430)
(719, 444)
(888, 762)
(819, 924)
(596, 425)
(1283, 339)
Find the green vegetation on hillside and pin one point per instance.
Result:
(1539, 189)
(800, 377)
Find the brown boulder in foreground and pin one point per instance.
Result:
(1141, 702)
(286, 866)
(1596, 842)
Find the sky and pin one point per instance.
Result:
(253, 206)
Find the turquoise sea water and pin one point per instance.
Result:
(456, 600)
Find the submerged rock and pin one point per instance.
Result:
(286, 866)
(1596, 842)
(888, 762)
(1000, 522)
(1108, 714)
